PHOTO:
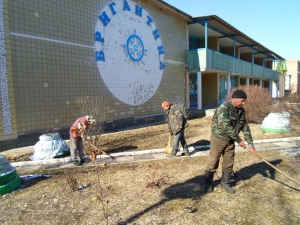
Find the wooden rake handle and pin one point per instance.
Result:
(275, 168)
(169, 142)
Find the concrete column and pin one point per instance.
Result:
(247, 81)
(275, 89)
(281, 85)
(187, 89)
(261, 82)
(186, 69)
(199, 89)
(270, 87)
(228, 84)
(206, 35)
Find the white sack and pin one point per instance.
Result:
(276, 122)
(49, 146)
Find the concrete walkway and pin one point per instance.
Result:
(285, 144)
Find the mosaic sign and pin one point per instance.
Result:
(129, 51)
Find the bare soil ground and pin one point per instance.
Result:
(162, 191)
(157, 136)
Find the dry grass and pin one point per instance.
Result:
(198, 133)
(121, 192)
(263, 195)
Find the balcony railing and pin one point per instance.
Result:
(200, 59)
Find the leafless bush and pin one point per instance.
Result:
(154, 182)
(96, 107)
(293, 97)
(292, 105)
(101, 196)
(72, 182)
(258, 104)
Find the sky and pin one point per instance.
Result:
(274, 24)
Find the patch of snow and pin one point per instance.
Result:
(291, 152)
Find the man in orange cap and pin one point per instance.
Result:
(177, 122)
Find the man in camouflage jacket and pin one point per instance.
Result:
(176, 117)
(228, 120)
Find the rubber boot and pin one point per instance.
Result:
(225, 182)
(84, 160)
(208, 176)
(76, 162)
(173, 153)
(185, 152)
(233, 176)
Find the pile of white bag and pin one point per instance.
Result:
(50, 146)
(276, 123)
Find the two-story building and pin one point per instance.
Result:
(134, 54)
(220, 57)
(291, 77)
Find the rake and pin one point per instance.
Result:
(275, 168)
(98, 150)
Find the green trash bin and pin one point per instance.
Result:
(9, 179)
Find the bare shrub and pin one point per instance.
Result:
(96, 107)
(102, 197)
(152, 176)
(258, 104)
(72, 182)
(292, 105)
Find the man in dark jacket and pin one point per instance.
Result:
(228, 120)
(176, 117)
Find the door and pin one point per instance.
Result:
(222, 89)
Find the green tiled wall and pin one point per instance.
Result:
(53, 62)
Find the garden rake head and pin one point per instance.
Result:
(94, 151)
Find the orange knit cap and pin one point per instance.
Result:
(165, 104)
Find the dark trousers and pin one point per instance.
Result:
(220, 148)
(76, 148)
(179, 137)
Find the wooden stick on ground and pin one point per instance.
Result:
(275, 167)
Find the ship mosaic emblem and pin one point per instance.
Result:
(129, 51)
